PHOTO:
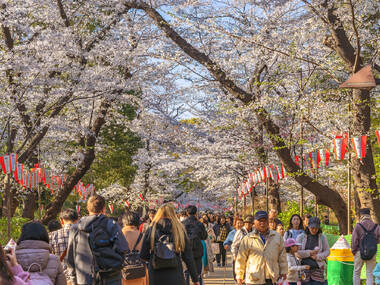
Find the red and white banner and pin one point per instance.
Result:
(378, 136)
(111, 208)
(340, 144)
(359, 145)
(324, 156)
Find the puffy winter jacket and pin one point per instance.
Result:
(36, 251)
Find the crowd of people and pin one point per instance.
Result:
(177, 248)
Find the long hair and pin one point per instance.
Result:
(301, 222)
(178, 230)
(6, 275)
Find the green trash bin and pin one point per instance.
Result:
(340, 263)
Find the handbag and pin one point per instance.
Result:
(215, 248)
(311, 262)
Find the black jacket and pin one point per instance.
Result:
(171, 276)
(196, 232)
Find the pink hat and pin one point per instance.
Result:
(291, 242)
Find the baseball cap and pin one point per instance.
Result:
(260, 215)
(314, 222)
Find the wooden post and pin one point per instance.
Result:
(253, 201)
(301, 158)
(244, 205)
(315, 197)
(8, 186)
(349, 173)
(349, 195)
(9, 205)
(267, 193)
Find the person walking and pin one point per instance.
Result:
(134, 238)
(238, 224)
(362, 228)
(59, 239)
(295, 269)
(87, 262)
(240, 234)
(33, 254)
(167, 232)
(261, 257)
(221, 230)
(313, 251)
(196, 232)
(208, 255)
(295, 227)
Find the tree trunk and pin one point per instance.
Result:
(364, 171)
(14, 202)
(29, 206)
(88, 157)
(357, 204)
(274, 196)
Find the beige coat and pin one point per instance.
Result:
(36, 251)
(257, 262)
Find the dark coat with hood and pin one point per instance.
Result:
(173, 276)
(196, 232)
(79, 256)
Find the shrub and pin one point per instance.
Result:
(16, 225)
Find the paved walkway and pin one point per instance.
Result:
(222, 275)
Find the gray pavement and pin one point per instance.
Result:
(222, 275)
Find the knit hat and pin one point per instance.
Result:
(365, 211)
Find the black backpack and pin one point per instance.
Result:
(164, 256)
(134, 267)
(106, 257)
(368, 245)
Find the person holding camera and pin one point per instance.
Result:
(11, 273)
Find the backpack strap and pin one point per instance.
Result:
(365, 230)
(137, 242)
(370, 231)
(374, 228)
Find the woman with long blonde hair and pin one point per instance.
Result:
(167, 231)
